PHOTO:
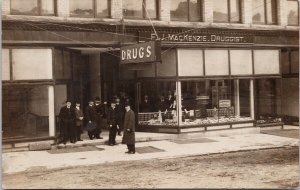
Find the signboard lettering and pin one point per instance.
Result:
(197, 38)
(141, 53)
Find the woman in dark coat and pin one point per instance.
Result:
(129, 129)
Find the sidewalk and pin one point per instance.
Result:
(160, 149)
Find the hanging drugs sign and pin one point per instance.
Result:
(146, 52)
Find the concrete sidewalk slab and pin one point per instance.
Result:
(21, 161)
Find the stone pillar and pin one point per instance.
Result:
(5, 7)
(63, 8)
(281, 12)
(207, 11)
(117, 9)
(165, 12)
(247, 11)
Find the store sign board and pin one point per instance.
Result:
(146, 52)
(224, 103)
(196, 38)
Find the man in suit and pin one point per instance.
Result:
(129, 129)
(91, 117)
(145, 105)
(99, 112)
(79, 120)
(67, 117)
(120, 110)
(113, 124)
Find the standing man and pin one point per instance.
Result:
(145, 105)
(120, 114)
(129, 129)
(99, 112)
(67, 117)
(79, 120)
(91, 118)
(113, 124)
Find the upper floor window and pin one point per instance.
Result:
(186, 10)
(227, 11)
(264, 11)
(293, 12)
(140, 9)
(90, 8)
(32, 7)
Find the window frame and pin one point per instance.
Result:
(200, 19)
(297, 15)
(144, 11)
(95, 11)
(39, 5)
(229, 13)
(266, 14)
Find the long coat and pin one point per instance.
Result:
(129, 123)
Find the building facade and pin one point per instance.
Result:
(225, 63)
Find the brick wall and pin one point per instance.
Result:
(117, 9)
(282, 14)
(246, 11)
(164, 6)
(63, 9)
(5, 7)
(207, 11)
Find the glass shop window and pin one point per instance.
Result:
(268, 101)
(31, 64)
(227, 11)
(140, 9)
(5, 64)
(214, 101)
(186, 10)
(62, 64)
(264, 11)
(90, 8)
(293, 12)
(157, 103)
(32, 7)
(26, 111)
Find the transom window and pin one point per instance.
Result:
(90, 8)
(140, 9)
(32, 7)
(227, 11)
(264, 11)
(186, 10)
(293, 12)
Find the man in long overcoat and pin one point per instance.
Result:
(129, 129)
(67, 118)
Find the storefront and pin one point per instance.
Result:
(218, 82)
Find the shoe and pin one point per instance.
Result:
(65, 143)
(100, 137)
(131, 152)
(127, 152)
(79, 140)
(110, 145)
(91, 138)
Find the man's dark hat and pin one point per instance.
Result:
(68, 100)
(126, 104)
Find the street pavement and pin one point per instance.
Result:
(154, 149)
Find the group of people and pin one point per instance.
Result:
(119, 117)
(163, 104)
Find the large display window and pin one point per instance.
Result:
(200, 102)
(158, 103)
(29, 111)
